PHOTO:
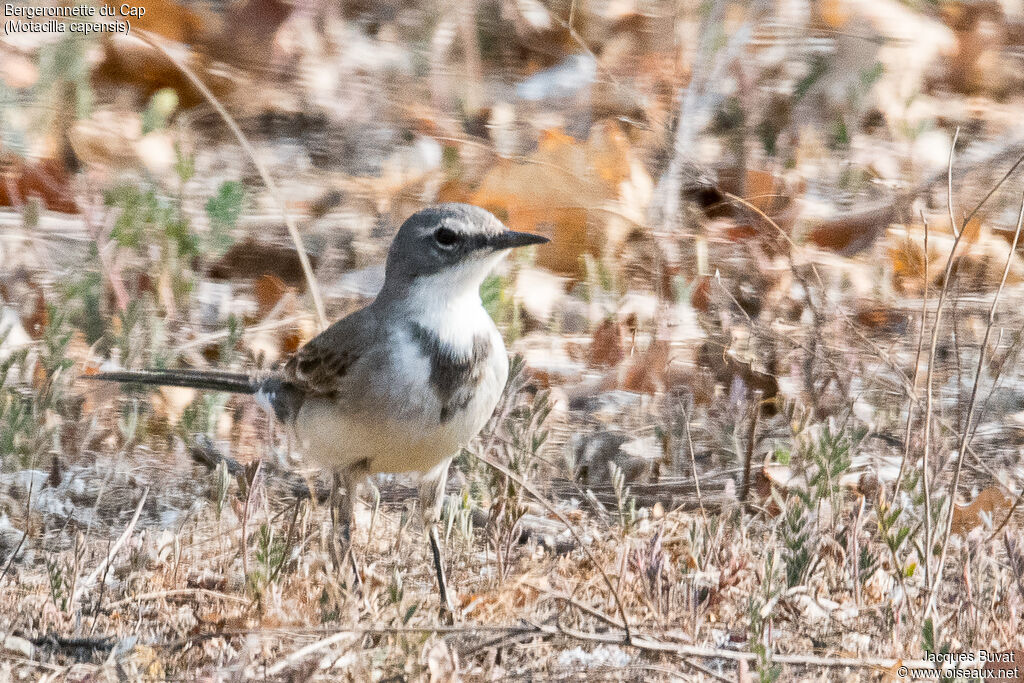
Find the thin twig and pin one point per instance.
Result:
(303, 652)
(17, 549)
(693, 468)
(929, 383)
(1009, 515)
(991, 192)
(909, 390)
(947, 527)
(949, 187)
(917, 365)
(564, 597)
(644, 642)
(157, 43)
(568, 525)
(28, 522)
(701, 669)
(91, 579)
(748, 456)
(650, 644)
(173, 593)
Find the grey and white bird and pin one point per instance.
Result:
(400, 385)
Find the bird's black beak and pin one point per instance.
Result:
(510, 239)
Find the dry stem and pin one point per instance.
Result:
(947, 527)
(156, 43)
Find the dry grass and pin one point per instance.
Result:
(766, 424)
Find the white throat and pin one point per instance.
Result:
(448, 303)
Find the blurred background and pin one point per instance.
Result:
(775, 338)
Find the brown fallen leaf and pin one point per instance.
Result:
(831, 13)
(700, 298)
(978, 265)
(768, 206)
(908, 259)
(47, 180)
(606, 346)
(560, 191)
(882, 319)
(247, 37)
(852, 233)
(688, 382)
(975, 66)
(40, 378)
(268, 290)
(645, 374)
(166, 18)
(250, 259)
(144, 70)
(969, 517)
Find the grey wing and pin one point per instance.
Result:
(322, 368)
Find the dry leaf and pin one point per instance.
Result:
(249, 259)
(968, 517)
(831, 13)
(40, 378)
(882, 319)
(973, 66)
(768, 206)
(246, 37)
(134, 64)
(646, 372)
(908, 259)
(852, 233)
(165, 18)
(700, 299)
(268, 290)
(606, 346)
(46, 180)
(726, 368)
(560, 190)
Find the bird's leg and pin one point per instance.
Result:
(333, 505)
(342, 518)
(350, 478)
(447, 609)
(431, 501)
(347, 522)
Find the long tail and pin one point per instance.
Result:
(212, 380)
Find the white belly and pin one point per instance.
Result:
(392, 423)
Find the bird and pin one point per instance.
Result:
(399, 385)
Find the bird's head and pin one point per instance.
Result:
(450, 247)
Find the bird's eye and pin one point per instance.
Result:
(446, 237)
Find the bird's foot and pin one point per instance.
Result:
(447, 611)
(357, 576)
